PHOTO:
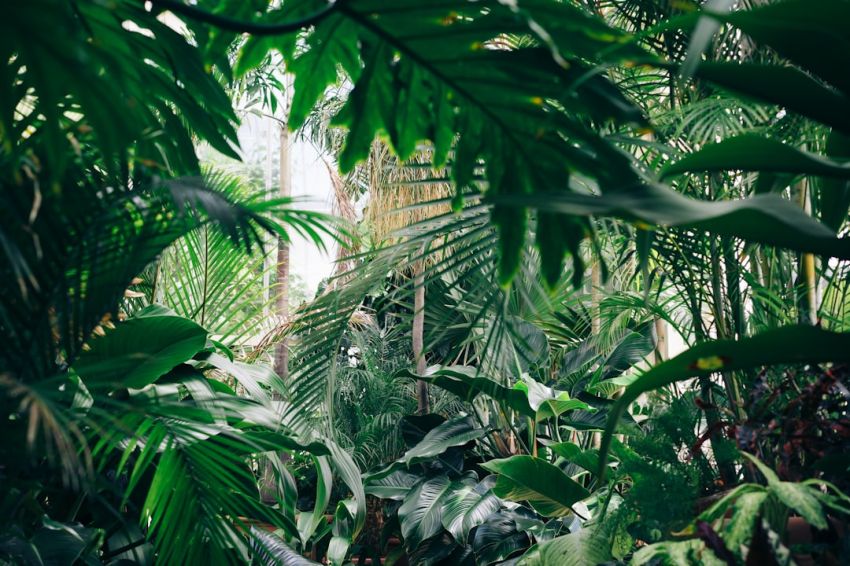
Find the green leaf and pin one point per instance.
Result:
(589, 545)
(394, 486)
(454, 432)
(783, 85)
(464, 382)
(769, 475)
(677, 553)
(766, 219)
(746, 511)
(789, 345)
(309, 522)
(139, 351)
(800, 499)
(365, 112)
(546, 488)
(252, 53)
(427, 75)
(347, 470)
(65, 543)
(498, 538)
(719, 508)
(433, 551)
(451, 434)
(420, 513)
(270, 549)
(480, 511)
(752, 152)
(547, 402)
(467, 507)
(333, 43)
(586, 459)
(529, 397)
(833, 195)
(802, 35)
(343, 531)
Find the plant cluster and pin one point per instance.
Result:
(558, 190)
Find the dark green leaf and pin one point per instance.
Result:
(546, 488)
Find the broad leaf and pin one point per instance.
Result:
(751, 152)
(272, 550)
(137, 352)
(420, 513)
(546, 488)
(789, 345)
(394, 486)
(498, 538)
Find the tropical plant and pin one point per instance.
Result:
(691, 156)
(122, 426)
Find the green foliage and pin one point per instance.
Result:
(368, 402)
(139, 351)
(793, 344)
(753, 512)
(546, 488)
(664, 488)
(559, 127)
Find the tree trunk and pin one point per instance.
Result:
(281, 353)
(807, 300)
(268, 482)
(596, 298)
(423, 403)
(662, 348)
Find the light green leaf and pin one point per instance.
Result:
(745, 512)
(800, 499)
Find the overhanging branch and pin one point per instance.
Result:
(242, 26)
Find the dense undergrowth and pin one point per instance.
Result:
(595, 310)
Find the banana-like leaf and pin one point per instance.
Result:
(785, 86)
(546, 487)
(498, 538)
(801, 34)
(752, 152)
(349, 473)
(463, 382)
(833, 194)
(587, 459)
(344, 531)
(65, 543)
(547, 402)
(766, 219)
(467, 507)
(309, 522)
(439, 549)
(788, 345)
